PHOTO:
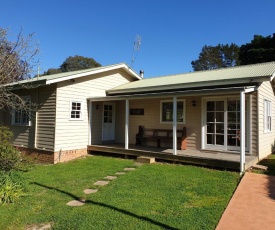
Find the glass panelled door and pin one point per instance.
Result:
(215, 123)
(108, 130)
(233, 124)
(223, 124)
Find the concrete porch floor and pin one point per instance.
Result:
(210, 158)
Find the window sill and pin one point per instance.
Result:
(171, 122)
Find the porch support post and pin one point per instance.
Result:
(127, 124)
(242, 131)
(174, 125)
(90, 122)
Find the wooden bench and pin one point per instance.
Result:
(160, 135)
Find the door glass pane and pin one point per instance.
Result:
(210, 116)
(210, 106)
(219, 139)
(219, 116)
(210, 128)
(220, 128)
(219, 106)
(232, 117)
(210, 139)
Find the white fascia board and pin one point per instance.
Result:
(92, 72)
(250, 90)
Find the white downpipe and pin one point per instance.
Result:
(126, 123)
(174, 125)
(242, 134)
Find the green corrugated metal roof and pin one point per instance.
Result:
(199, 79)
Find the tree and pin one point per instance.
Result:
(74, 63)
(16, 63)
(214, 57)
(260, 49)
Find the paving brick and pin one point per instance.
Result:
(89, 191)
(75, 203)
(110, 177)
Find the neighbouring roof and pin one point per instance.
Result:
(218, 77)
(54, 78)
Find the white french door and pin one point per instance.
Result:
(222, 124)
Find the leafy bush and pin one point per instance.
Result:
(5, 135)
(11, 187)
(9, 157)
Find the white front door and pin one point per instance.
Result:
(108, 126)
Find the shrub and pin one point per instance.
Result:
(11, 187)
(9, 157)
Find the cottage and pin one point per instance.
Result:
(226, 115)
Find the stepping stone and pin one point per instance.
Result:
(75, 203)
(110, 177)
(101, 182)
(89, 191)
(120, 173)
(129, 169)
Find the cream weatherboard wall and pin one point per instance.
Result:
(74, 134)
(265, 138)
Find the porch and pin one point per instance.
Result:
(213, 159)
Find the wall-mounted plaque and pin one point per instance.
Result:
(136, 111)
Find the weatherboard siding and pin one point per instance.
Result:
(151, 119)
(46, 118)
(265, 138)
(74, 134)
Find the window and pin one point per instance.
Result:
(76, 110)
(167, 111)
(21, 116)
(267, 116)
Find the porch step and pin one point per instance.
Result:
(148, 160)
(260, 167)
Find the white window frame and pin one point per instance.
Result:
(267, 116)
(80, 111)
(21, 113)
(171, 101)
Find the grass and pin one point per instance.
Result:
(159, 196)
(270, 163)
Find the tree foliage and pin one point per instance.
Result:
(74, 63)
(16, 63)
(260, 49)
(214, 57)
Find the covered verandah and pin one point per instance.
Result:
(214, 159)
(203, 156)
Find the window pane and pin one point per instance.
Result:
(210, 116)
(219, 128)
(210, 128)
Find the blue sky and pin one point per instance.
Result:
(172, 32)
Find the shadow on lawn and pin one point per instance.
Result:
(270, 163)
(110, 207)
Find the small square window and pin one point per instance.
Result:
(76, 110)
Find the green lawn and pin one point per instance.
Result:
(270, 163)
(159, 196)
